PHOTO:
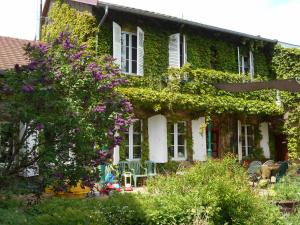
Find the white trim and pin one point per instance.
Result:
(130, 34)
(240, 153)
(117, 43)
(158, 145)
(175, 139)
(246, 136)
(199, 139)
(131, 144)
(139, 52)
(264, 142)
(239, 60)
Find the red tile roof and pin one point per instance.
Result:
(11, 52)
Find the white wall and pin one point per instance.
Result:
(199, 139)
(116, 155)
(264, 142)
(158, 146)
(30, 142)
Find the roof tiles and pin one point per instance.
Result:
(11, 52)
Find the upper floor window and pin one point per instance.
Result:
(177, 141)
(247, 138)
(177, 50)
(129, 53)
(246, 63)
(133, 138)
(128, 50)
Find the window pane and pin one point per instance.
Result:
(127, 39)
(171, 139)
(181, 127)
(127, 152)
(249, 130)
(137, 127)
(243, 130)
(134, 54)
(137, 139)
(134, 67)
(127, 52)
(134, 41)
(181, 152)
(243, 151)
(170, 127)
(137, 152)
(180, 139)
(171, 151)
(127, 138)
(127, 66)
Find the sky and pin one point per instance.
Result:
(273, 19)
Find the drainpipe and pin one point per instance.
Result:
(99, 25)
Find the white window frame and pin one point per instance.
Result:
(241, 63)
(174, 135)
(129, 144)
(246, 136)
(130, 53)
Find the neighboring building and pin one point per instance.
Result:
(145, 45)
(12, 53)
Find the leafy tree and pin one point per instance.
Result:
(64, 114)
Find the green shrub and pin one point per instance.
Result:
(218, 186)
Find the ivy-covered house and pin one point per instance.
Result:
(172, 65)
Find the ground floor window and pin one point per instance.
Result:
(177, 140)
(133, 138)
(247, 137)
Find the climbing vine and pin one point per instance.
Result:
(286, 64)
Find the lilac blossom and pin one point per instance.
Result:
(43, 48)
(67, 44)
(28, 88)
(77, 55)
(97, 75)
(57, 75)
(39, 126)
(99, 108)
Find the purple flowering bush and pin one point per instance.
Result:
(64, 114)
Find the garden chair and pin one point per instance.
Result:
(122, 168)
(282, 170)
(269, 162)
(151, 168)
(137, 171)
(254, 171)
(265, 172)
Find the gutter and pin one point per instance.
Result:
(99, 25)
(182, 21)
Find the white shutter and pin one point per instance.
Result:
(174, 50)
(117, 43)
(251, 61)
(140, 51)
(158, 145)
(264, 142)
(184, 50)
(199, 139)
(240, 153)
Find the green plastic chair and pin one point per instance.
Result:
(122, 168)
(151, 168)
(254, 167)
(282, 170)
(138, 171)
